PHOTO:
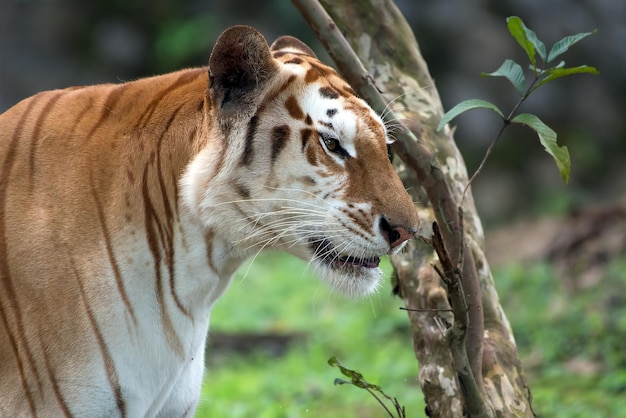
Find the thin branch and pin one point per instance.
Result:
(485, 157)
(451, 276)
(505, 124)
(379, 401)
(425, 310)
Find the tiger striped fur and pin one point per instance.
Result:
(126, 208)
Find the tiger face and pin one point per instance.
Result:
(125, 210)
(317, 155)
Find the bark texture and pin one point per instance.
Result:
(468, 360)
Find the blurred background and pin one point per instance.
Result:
(558, 250)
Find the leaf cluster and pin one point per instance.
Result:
(543, 70)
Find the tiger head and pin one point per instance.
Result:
(303, 167)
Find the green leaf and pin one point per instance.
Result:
(352, 374)
(547, 137)
(513, 72)
(565, 43)
(532, 37)
(339, 381)
(558, 72)
(516, 29)
(464, 106)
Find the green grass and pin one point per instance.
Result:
(554, 327)
(279, 294)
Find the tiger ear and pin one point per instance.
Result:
(291, 44)
(240, 65)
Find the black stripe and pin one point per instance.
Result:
(155, 230)
(107, 109)
(109, 364)
(328, 93)
(9, 293)
(280, 134)
(308, 180)
(242, 190)
(305, 135)
(294, 61)
(108, 243)
(55, 386)
(36, 137)
(208, 241)
(78, 119)
(246, 158)
(184, 79)
(166, 233)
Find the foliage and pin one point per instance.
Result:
(280, 294)
(552, 327)
(357, 379)
(513, 72)
(570, 341)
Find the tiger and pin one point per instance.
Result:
(125, 210)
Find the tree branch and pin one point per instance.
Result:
(451, 275)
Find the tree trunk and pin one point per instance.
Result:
(468, 361)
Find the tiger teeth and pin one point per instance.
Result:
(322, 249)
(371, 262)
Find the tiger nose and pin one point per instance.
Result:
(395, 234)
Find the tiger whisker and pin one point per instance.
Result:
(304, 235)
(388, 109)
(283, 217)
(274, 199)
(271, 241)
(285, 189)
(275, 237)
(292, 217)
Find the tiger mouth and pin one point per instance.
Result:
(323, 251)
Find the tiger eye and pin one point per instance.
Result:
(331, 143)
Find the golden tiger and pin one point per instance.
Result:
(125, 209)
